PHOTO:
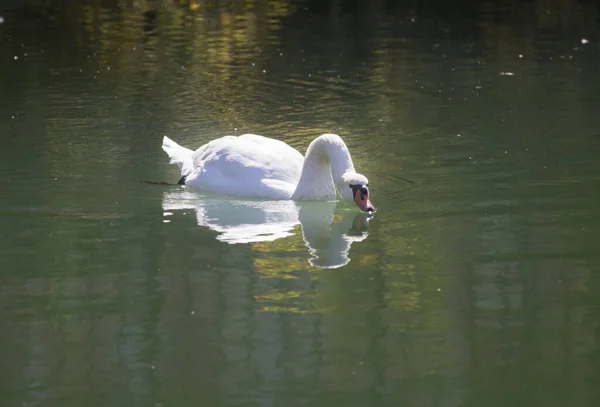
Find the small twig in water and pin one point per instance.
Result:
(158, 183)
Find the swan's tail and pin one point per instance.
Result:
(179, 155)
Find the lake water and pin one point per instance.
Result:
(476, 283)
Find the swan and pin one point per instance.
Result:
(255, 166)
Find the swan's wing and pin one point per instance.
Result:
(273, 145)
(249, 165)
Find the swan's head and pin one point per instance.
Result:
(355, 187)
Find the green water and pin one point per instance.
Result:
(475, 284)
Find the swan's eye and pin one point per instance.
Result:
(364, 191)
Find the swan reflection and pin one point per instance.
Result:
(327, 234)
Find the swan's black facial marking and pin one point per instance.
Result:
(364, 190)
(182, 180)
(360, 194)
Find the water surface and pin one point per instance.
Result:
(475, 283)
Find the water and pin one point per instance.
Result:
(475, 283)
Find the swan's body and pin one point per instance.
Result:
(255, 166)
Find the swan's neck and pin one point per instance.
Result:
(327, 160)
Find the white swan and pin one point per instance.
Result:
(259, 167)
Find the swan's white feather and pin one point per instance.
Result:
(249, 165)
(255, 166)
(179, 155)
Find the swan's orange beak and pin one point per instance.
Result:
(361, 197)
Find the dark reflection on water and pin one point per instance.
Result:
(474, 284)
